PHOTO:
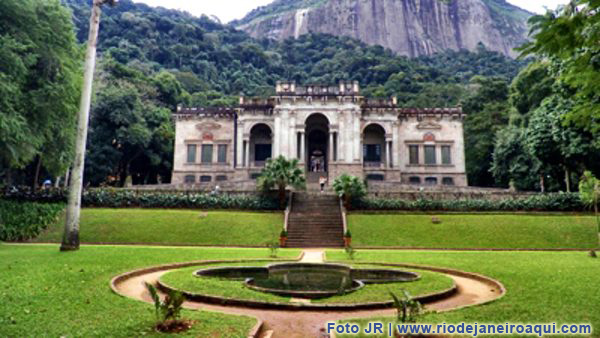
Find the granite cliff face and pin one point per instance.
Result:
(408, 27)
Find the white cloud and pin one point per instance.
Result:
(228, 10)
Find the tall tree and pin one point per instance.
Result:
(571, 35)
(39, 84)
(512, 163)
(71, 235)
(487, 112)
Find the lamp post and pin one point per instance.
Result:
(70, 240)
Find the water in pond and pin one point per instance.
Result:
(307, 280)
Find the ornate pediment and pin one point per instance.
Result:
(429, 125)
(204, 126)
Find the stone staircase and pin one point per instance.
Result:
(315, 221)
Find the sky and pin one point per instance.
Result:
(227, 10)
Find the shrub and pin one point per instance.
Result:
(408, 310)
(21, 221)
(121, 198)
(273, 248)
(541, 202)
(168, 311)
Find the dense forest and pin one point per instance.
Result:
(152, 59)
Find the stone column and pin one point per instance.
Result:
(340, 137)
(247, 154)
(240, 145)
(388, 155)
(292, 136)
(330, 155)
(276, 151)
(357, 137)
(302, 147)
(395, 145)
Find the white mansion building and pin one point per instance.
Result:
(330, 129)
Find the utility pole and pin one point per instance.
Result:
(70, 240)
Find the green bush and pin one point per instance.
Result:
(540, 202)
(20, 221)
(121, 198)
(116, 198)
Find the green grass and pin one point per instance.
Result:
(44, 292)
(162, 226)
(542, 287)
(474, 231)
(183, 279)
(430, 282)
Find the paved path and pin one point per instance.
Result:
(307, 323)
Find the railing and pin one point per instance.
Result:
(343, 209)
(375, 165)
(288, 209)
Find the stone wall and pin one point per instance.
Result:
(410, 192)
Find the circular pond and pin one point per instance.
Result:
(307, 280)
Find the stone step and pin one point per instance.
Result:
(315, 221)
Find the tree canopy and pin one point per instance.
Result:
(40, 80)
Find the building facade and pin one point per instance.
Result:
(330, 129)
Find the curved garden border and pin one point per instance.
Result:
(210, 299)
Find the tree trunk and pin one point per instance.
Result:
(282, 196)
(57, 182)
(542, 184)
(67, 174)
(71, 235)
(568, 180)
(36, 176)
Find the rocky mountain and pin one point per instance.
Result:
(408, 27)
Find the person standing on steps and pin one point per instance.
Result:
(322, 181)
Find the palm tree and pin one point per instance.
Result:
(282, 173)
(349, 187)
(71, 235)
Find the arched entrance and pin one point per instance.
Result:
(260, 145)
(317, 144)
(374, 150)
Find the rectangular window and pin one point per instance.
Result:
(191, 153)
(207, 153)
(414, 180)
(430, 155)
(414, 154)
(431, 181)
(372, 153)
(222, 153)
(446, 155)
(262, 152)
(447, 181)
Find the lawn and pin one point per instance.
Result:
(183, 279)
(542, 287)
(44, 292)
(474, 231)
(173, 227)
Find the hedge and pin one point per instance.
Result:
(121, 198)
(20, 221)
(541, 202)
